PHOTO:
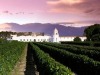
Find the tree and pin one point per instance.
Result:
(93, 32)
(77, 39)
(96, 37)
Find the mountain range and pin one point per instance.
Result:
(47, 28)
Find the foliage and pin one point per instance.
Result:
(6, 34)
(10, 53)
(2, 40)
(77, 39)
(80, 64)
(96, 37)
(46, 64)
(95, 54)
(78, 43)
(93, 32)
(97, 44)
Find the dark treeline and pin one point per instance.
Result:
(7, 34)
(93, 33)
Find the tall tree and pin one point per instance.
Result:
(93, 32)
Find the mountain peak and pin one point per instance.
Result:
(47, 28)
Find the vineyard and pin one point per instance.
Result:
(78, 60)
(10, 53)
(51, 58)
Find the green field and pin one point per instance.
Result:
(10, 53)
(52, 58)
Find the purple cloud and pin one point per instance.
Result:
(89, 10)
(16, 13)
(6, 11)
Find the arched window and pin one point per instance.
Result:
(23, 39)
(56, 33)
(34, 40)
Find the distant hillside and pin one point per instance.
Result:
(46, 28)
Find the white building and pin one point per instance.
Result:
(44, 38)
(71, 38)
(31, 38)
(56, 37)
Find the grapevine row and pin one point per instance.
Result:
(80, 64)
(10, 53)
(90, 53)
(47, 65)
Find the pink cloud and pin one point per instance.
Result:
(86, 7)
(5, 27)
(70, 2)
(64, 6)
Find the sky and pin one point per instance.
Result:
(67, 12)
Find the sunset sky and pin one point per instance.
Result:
(74, 12)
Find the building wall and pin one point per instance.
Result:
(43, 38)
(83, 38)
(31, 38)
(68, 38)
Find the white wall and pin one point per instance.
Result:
(67, 38)
(83, 38)
(31, 38)
(44, 38)
(71, 38)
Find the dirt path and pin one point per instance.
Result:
(26, 65)
(30, 65)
